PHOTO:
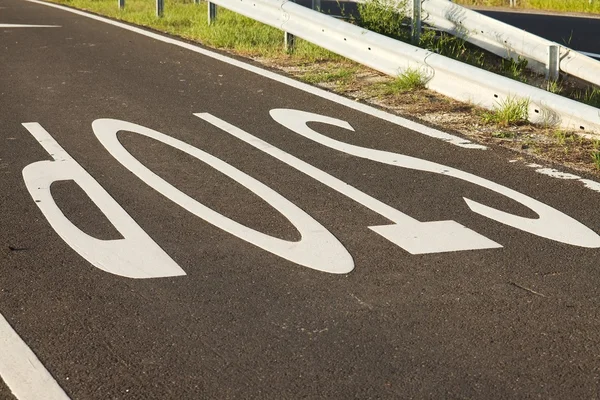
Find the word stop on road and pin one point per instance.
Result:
(137, 255)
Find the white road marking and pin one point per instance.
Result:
(134, 256)
(317, 249)
(22, 371)
(595, 186)
(408, 233)
(594, 55)
(27, 26)
(554, 173)
(414, 126)
(551, 224)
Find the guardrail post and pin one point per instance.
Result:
(416, 22)
(553, 66)
(290, 41)
(160, 7)
(212, 12)
(196, 1)
(513, 3)
(121, 4)
(316, 5)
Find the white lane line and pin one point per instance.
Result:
(27, 26)
(22, 371)
(554, 173)
(414, 126)
(585, 53)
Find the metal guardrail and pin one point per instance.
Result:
(444, 75)
(507, 41)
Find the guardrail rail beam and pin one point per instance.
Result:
(505, 40)
(452, 78)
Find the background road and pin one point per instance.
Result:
(512, 322)
(579, 33)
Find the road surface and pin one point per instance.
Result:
(178, 224)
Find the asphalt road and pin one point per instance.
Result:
(579, 33)
(324, 269)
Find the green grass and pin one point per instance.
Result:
(504, 135)
(342, 75)
(386, 17)
(514, 69)
(452, 47)
(410, 79)
(596, 159)
(511, 111)
(188, 20)
(444, 44)
(551, 5)
(561, 137)
(589, 96)
(567, 138)
(554, 87)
